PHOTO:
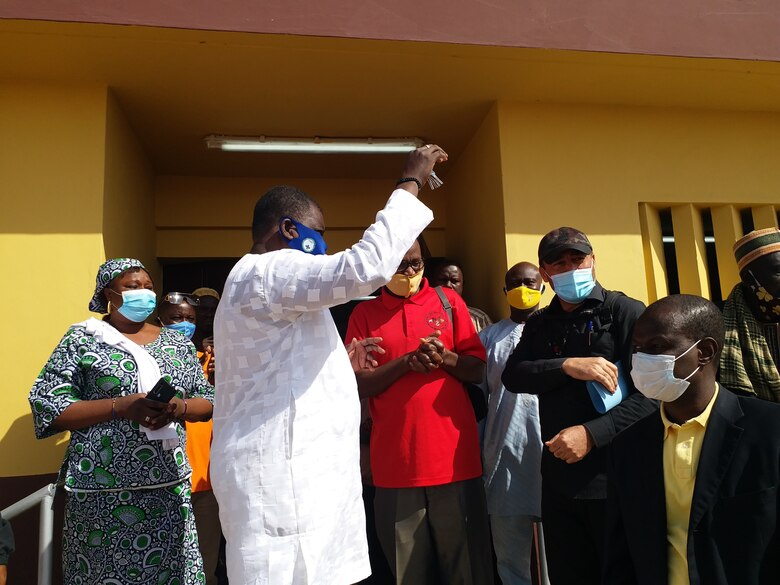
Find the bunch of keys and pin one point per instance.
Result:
(434, 182)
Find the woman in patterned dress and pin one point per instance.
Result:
(128, 517)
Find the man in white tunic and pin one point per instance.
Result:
(512, 443)
(285, 453)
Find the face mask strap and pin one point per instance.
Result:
(689, 376)
(687, 350)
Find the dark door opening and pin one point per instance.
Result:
(187, 274)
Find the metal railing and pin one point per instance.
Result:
(45, 498)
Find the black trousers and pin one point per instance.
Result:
(574, 536)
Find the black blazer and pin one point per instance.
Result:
(732, 535)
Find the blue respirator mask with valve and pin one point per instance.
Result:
(308, 240)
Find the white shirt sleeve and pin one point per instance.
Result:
(293, 282)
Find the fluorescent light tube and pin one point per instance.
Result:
(312, 145)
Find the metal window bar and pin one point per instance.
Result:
(45, 498)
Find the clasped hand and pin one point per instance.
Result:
(361, 353)
(429, 355)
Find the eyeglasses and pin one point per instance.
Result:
(177, 298)
(415, 265)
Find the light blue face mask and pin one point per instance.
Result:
(137, 305)
(183, 327)
(574, 286)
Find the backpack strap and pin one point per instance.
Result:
(476, 395)
(445, 302)
(606, 313)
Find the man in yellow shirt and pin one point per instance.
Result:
(693, 488)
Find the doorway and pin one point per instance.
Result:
(187, 274)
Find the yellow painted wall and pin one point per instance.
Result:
(210, 217)
(128, 194)
(591, 166)
(51, 185)
(475, 216)
(76, 188)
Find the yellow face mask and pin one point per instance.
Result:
(405, 286)
(523, 297)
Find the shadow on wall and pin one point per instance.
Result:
(22, 454)
(23, 565)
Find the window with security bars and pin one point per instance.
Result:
(688, 247)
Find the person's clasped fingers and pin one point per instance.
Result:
(438, 344)
(372, 344)
(373, 349)
(425, 360)
(432, 354)
(428, 348)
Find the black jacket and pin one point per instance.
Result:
(732, 536)
(600, 327)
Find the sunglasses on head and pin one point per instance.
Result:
(177, 298)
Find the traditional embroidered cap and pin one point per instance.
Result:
(756, 244)
(205, 291)
(107, 272)
(558, 241)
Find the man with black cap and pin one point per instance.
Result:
(575, 341)
(751, 354)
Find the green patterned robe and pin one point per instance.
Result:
(128, 517)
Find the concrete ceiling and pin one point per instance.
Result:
(177, 86)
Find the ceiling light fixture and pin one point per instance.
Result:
(312, 145)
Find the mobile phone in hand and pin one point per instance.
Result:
(162, 391)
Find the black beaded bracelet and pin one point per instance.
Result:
(409, 180)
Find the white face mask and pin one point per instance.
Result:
(653, 375)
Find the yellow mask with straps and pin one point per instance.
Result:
(523, 297)
(405, 286)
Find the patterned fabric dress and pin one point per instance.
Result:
(128, 517)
